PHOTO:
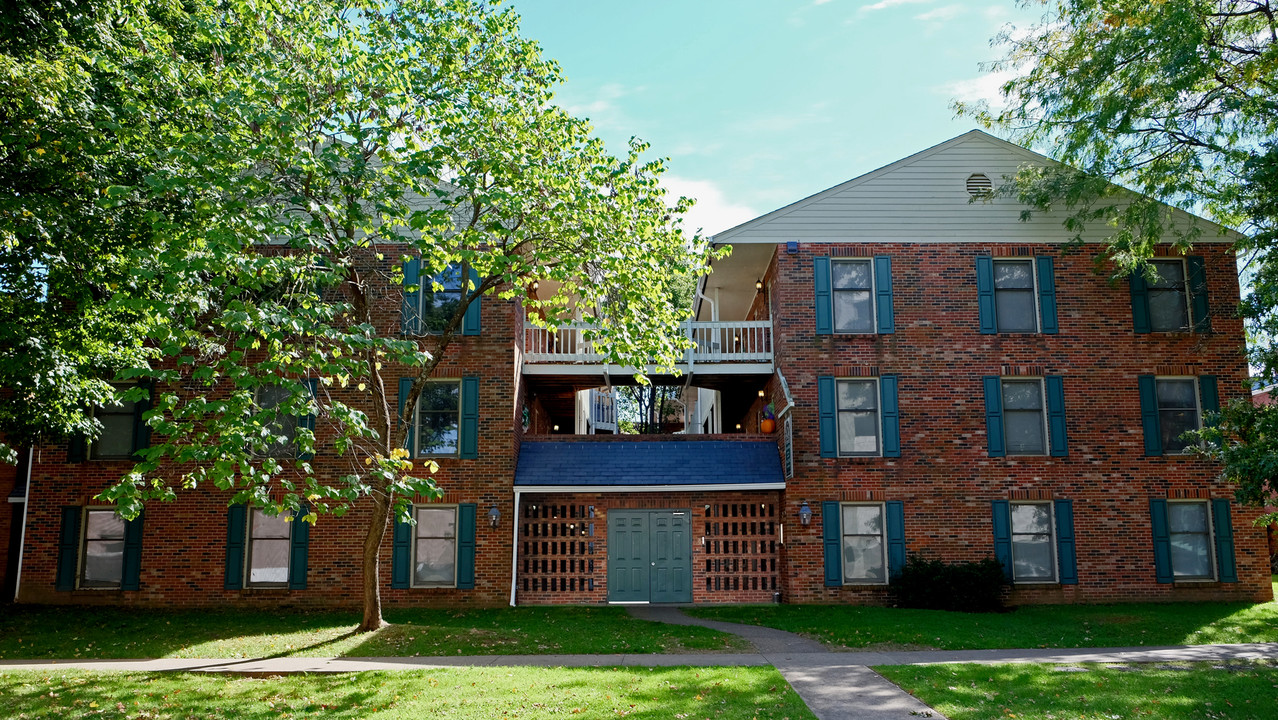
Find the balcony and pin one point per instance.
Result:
(738, 347)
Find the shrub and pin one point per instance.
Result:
(934, 585)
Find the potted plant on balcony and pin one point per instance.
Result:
(769, 421)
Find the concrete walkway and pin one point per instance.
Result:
(835, 685)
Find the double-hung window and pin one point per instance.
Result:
(1172, 406)
(852, 288)
(853, 295)
(1015, 308)
(438, 418)
(1025, 416)
(282, 427)
(1174, 300)
(102, 557)
(441, 295)
(1189, 530)
(431, 301)
(858, 402)
(1016, 295)
(116, 441)
(268, 549)
(864, 547)
(1033, 549)
(435, 546)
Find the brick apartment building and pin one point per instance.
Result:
(944, 379)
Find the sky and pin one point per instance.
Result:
(758, 103)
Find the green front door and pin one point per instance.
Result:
(649, 556)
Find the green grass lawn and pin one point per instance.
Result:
(1179, 691)
(1032, 626)
(457, 694)
(71, 632)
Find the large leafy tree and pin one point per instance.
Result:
(343, 138)
(1177, 100)
(90, 93)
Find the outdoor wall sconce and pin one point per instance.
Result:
(738, 427)
(758, 285)
(535, 285)
(494, 516)
(760, 393)
(556, 428)
(805, 514)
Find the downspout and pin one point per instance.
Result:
(22, 539)
(514, 551)
(785, 390)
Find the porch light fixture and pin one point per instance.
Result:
(738, 427)
(758, 285)
(556, 428)
(805, 514)
(494, 516)
(760, 393)
(535, 285)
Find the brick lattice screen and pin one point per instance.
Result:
(740, 551)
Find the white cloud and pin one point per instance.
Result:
(713, 212)
(983, 88)
(941, 14)
(885, 4)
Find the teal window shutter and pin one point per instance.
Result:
(883, 294)
(410, 317)
(401, 554)
(1208, 394)
(1058, 438)
(1066, 553)
(469, 417)
(1162, 540)
(1197, 282)
(994, 416)
(405, 387)
(1140, 301)
(142, 431)
(470, 322)
(824, 306)
(832, 540)
(985, 294)
(1002, 512)
(891, 419)
(68, 548)
(1046, 295)
(299, 550)
(829, 428)
(308, 420)
(1149, 415)
(1224, 528)
(895, 537)
(466, 546)
(236, 516)
(131, 574)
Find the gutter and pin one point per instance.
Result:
(514, 550)
(26, 508)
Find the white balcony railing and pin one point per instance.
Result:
(748, 341)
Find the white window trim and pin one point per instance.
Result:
(1038, 310)
(1052, 542)
(878, 417)
(1211, 543)
(883, 543)
(412, 554)
(1189, 300)
(417, 421)
(83, 550)
(248, 554)
(1198, 409)
(874, 298)
(1042, 394)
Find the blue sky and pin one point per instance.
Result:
(759, 103)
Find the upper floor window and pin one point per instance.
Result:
(117, 440)
(1175, 300)
(1025, 416)
(282, 427)
(432, 301)
(1193, 540)
(1014, 307)
(1173, 406)
(438, 418)
(859, 416)
(440, 297)
(853, 295)
(858, 402)
(852, 286)
(1016, 295)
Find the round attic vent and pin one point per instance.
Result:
(979, 186)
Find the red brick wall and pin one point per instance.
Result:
(944, 475)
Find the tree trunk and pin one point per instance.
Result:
(372, 563)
